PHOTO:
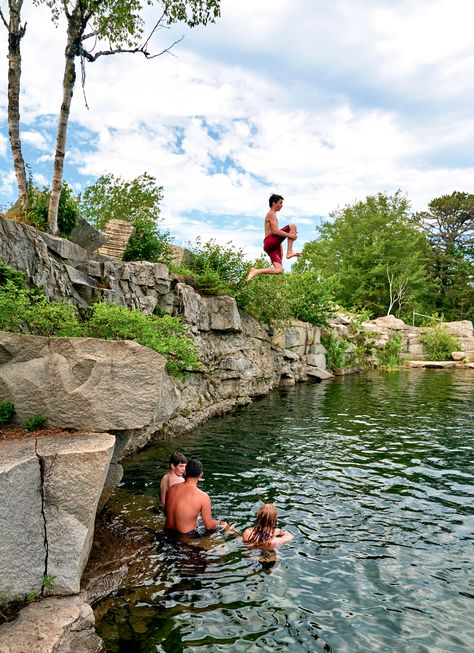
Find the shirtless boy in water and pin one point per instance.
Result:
(185, 502)
(274, 237)
(175, 475)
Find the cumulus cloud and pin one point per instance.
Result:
(322, 102)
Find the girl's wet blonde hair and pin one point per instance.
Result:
(266, 521)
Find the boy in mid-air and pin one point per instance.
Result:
(274, 238)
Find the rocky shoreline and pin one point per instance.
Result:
(107, 399)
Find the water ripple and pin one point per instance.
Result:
(374, 477)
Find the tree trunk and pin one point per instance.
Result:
(74, 34)
(15, 34)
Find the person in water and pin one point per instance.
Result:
(274, 237)
(265, 534)
(185, 502)
(175, 475)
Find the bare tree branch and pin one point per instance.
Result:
(168, 50)
(3, 19)
(140, 49)
(157, 24)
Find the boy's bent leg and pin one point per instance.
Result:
(292, 235)
(276, 269)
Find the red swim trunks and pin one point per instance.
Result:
(272, 245)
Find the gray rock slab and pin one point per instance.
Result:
(83, 383)
(53, 625)
(433, 364)
(63, 248)
(317, 360)
(86, 236)
(74, 470)
(22, 534)
(319, 373)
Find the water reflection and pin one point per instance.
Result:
(373, 476)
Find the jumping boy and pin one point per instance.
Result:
(274, 238)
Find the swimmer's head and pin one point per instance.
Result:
(267, 516)
(194, 468)
(274, 199)
(177, 459)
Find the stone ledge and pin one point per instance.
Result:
(53, 624)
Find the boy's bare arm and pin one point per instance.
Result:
(274, 227)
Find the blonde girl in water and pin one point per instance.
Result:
(264, 534)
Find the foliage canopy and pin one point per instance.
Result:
(136, 201)
(373, 255)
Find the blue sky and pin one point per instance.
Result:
(322, 102)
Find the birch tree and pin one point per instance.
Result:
(16, 31)
(118, 27)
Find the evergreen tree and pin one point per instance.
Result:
(449, 225)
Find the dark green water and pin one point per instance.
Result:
(374, 477)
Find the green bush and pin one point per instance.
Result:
(7, 410)
(389, 356)
(10, 274)
(164, 334)
(147, 243)
(439, 344)
(310, 299)
(227, 262)
(266, 298)
(335, 350)
(35, 422)
(210, 282)
(38, 203)
(28, 311)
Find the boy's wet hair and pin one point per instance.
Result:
(194, 468)
(274, 199)
(178, 459)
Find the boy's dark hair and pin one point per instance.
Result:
(177, 459)
(274, 199)
(194, 468)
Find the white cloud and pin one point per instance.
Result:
(322, 102)
(7, 182)
(35, 139)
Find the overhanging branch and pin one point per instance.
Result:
(3, 19)
(141, 49)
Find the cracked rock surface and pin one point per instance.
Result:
(50, 488)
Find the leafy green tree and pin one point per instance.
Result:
(449, 225)
(136, 201)
(373, 255)
(37, 211)
(111, 26)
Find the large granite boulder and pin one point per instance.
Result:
(22, 529)
(73, 472)
(54, 625)
(464, 332)
(85, 383)
(50, 488)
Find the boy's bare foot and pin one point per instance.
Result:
(251, 274)
(293, 254)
